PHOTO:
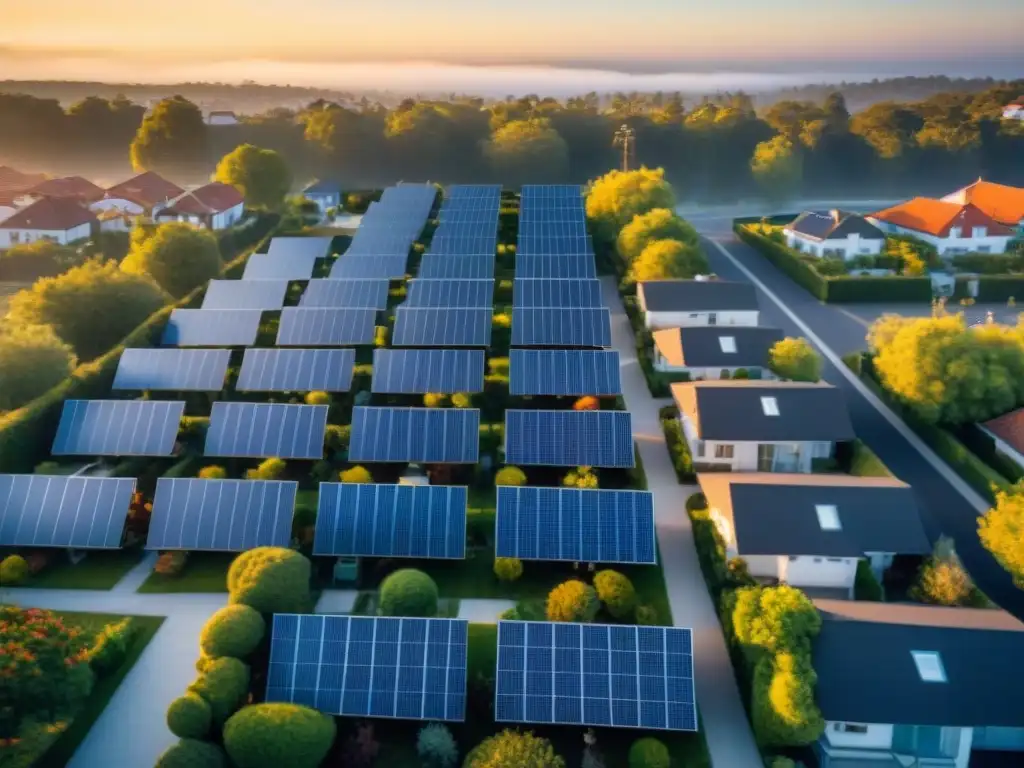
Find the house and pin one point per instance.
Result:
(834, 233)
(14, 183)
(214, 206)
(1008, 433)
(70, 188)
(706, 351)
(917, 685)
(61, 220)
(951, 227)
(1003, 203)
(1014, 111)
(138, 196)
(761, 426)
(222, 117)
(679, 303)
(326, 195)
(813, 530)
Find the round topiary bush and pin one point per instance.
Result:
(234, 630)
(646, 615)
(435, 400)
(462, 400)
(271, 580)
(408, 592)
(436, 746)
(616, 592)
(649, 753)
(213, 472)
(508, 568)
(190, 753)
(224, 684)
(696, 501)
(355, 474)
(189, 717)
(13, 570)
(318, 398)
(513, 748)
(572, 601)
(510, 476)
(276, 735)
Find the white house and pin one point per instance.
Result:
(680, 303)
(706, 351)
(951, 227)
(61, 220)
(138, 196)
(326, 194)
(1003, 203)
(1014, 111)
(834, 233)
(1008, 433)
(910, 685)
(214, 206)
(812, 530)
(222, 117)
(761, 426)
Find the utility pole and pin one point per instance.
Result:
(626, 138)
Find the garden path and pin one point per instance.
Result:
(483, 611)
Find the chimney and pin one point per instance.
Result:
(835, 214)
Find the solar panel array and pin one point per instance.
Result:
(346, 294)
(212, 328)
(596, 675)
(276, 266)
(245, 294)
(64, 512)
(368, 267)
(440, 266)
(559, 327)
(300, 247)
(369, 520)
(200, 370)
(361, 666)
(569, 438)
(566, 372)
(464, 244)
(221, 515)
(261, 430)
(423, 435)
(118, 428)
(418, 371)
(553, 240)
(442, 327)
(296, 370)
(450, 293)
(326, 327)
(575, 525)
(573, 266)
(557, 292)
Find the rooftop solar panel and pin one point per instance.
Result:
(369, 520)
(63, 512)
(390, 267)
(569, 438)
(439, 266)
(566, 372)
(343, 294)
(555, 267)
(296, 370)
(300, 247)
(554, 327)
(364, 666)
(437, 327)
(557, 292)
(212, 328)
(575, 525)
(200, 370)
(221, 515)
(118, 428)
(261, 430)
(416, 371)
(326, 327)
(595, 674)
(245, 294)
(423, 435)
(450, 293)
(271, 266)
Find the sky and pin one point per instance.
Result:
(409, 43)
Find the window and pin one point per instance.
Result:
(770, 406)
(712, 318)
(15, 238)
(954, 232)
(979, 232)
(835, 559)
(850, 728)
(698, 448)
(828, 517)
(727, 344)
(984, 249)
(723, 451)
(929, 666)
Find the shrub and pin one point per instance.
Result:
(191, 753)
(435, 400)
(582, 477)
(189, 717)
(696, 501)
(111, 645)
(271, 580)
(355, 474)
(272, 735)
(649, 753)
(171, 563)
(462, 400)
(436, 746)
(408, 592)
(269, 469)
(616, 592)
(783, 711)
(679, 451)
(318, 398)
(234, 630)
(13, 570)
(572, 601)
(510, 476)
(865, 585)
(178, 257)
(646, 615)
(513, 749)
(32, 360)
(213, 472)
(795, 359)
(508, 568)
(942, 581)
(588, 403)
(224, 684)
(498, 366)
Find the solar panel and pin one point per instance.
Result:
(368, 242)
(373, 266)
(261, 430)
(569, 438)
(300, 247)
(296, 370)
(595, 674)
(451, 230)
(423, 435)
(554, 327)
(551, 191)
(450, 293)
(437, 327)
(274, 266)
(552, 246)
(366, 666)
(64, 512)
(474, 192)
(464, 245)
(245, 294)
(455, 215)
(212, 328)
(343, 294)
(575, 525)
(201, 370)
(325, 327)
(439, 266)
(554, 230)
(564, 372)
(118, 428)
(557, 292)
(561, 266)
(221, 515)
(368, 520)
(416, 371)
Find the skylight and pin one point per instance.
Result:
(728, 344)
(770, 406)
(929, 666)
(828, 517)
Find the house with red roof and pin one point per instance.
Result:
(213, 206)
(68, 187)
(1003, 203)
(952, 227)
(137, 196)
(59, 219)
(1014, 111)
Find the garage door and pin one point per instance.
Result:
(818, 572)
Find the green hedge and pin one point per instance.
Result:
(1000, 287)
(782, 257)
(682, 462)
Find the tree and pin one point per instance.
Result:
(32, 361)
(191, 753)
(271, 735)
(778, 168)
(234, 630)
(79, 305)
(525, 151)
(795, 359)
(408, 592)
(171, 139)
(189, 717)
(668, 260)
(513, 749)
(261, 175)
(648, 752)
(510, 476)
(1002, 532)
(178, 256)
(508, 568)
(355, 474)
(617, 197)
(783, 710)
(656, 224)
(616, 592)
(224, 684)
(13, 570)
(271, 580)
(269, 469)
(572, 601)
(436, 746)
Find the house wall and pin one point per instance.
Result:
(877, 744)
(661, 364)
(227, 218)
(128, 207)
(817, 571)
(878, 736)
(950, 245)
(745, 453)
(846, 247)
(1003, 446)
(6, 211)
(10, 237)
(656, 320)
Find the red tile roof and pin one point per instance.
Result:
(213, 198)
(54, 214)
(69, 187)
(1009, 428)
(1003, 203)
(937, 217)
(13, 182)
(147, 189)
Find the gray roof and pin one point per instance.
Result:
(696, 296)
(866, 673)
(834, 225)
(699, 346)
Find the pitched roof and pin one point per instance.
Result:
(69, 187)
(325, 187)
(775, 513)
(702, 346)
(696, 296)
(834, 225)
(866, 673)
(147, 189)
(735, 410)
(937, 217)
(212, 198)
(14, 182)
(1010, 428)
(1003, 203)
(56, 214)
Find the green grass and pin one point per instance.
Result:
(99, 570)
(866, 464)
(204, 572)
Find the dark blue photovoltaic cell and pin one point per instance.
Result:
(212, 328)
(379, 242)
(566, 372)
(577, 525)
(221, 515)
(260, 430)
(617, 676)
(557, 292)
(299, 247)
(362, 666)
(539, 194)
(63, 512)
(555, 266)
(118, 428)
(569, 438)
(455, 216)
(449, 293)
(416, 371)
(555, 327)
(245, 294)
(344, 294)
(269, 266)
(369, 267)
(370, 520)
(457, 267)
(325, 327)
(552, 247)
(424, 435)
(200, 370)
(439, 327)
(296, 370)
(458, 244)
(554, 230)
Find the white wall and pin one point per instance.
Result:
(228, 218)
(950, 246)
(10, 237)
(117, 204)
(656, 320)
(745, 453)
(879, 736)
(848, 247)
(817, 571)
(661, 364)
(6, 211)
(877, 742)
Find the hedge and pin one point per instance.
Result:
(234, 630)
(783, 258)
(271, 735)
(1000, 287)
(682, 462)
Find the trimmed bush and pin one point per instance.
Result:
(510, 476)
(213, 472)
(436, 746)
(784, 258)
(234, 630)
(189, 717)
(190, 753)
(572, 601)
(408, 592)
(273, 735)
(513, 749)
(318, 398)
(13, 570)
(462, 400)
(865, 585)
(616, 592)
(435, 400)
(508, 568)
(111, 645)
(224, 684)
(646, 615)
(649, 753)
(271, 580)
(355, 474)
(268, 469)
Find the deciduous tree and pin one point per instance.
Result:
(32, 360)
(261, 175)
(171, 139)
(178, 256)
(1002, 532)
(668, 260)
(523, 151)
(778, 168)
(795, 359)
(617, 197)
(658, 224)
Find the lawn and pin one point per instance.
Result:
(204, 572)
(101, 569)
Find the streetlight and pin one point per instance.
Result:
(626, 138)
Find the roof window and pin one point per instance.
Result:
(828, 517)
(770, 406)
(728, 344)
(929, 666)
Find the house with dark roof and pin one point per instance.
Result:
(917, 685)
(813, 530)
(1007, 431)
(680, 303)
(137, 196)
(709, 351)
(1003, 203)
(951, 227)
(761, 426)
(213, 206)
(326, 194)
(835, 233)
(61, 220)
